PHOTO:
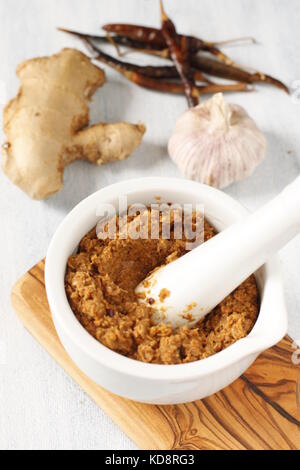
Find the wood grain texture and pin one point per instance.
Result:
(258, 411)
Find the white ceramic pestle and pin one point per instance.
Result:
(198, 281)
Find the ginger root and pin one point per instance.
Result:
(46, 124)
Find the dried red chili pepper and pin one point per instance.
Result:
(120, 40)
(179, 52)
(154, 38)
(217, 69)
(158, 48)
(178, 88)
(156, 84)
(165, 71)
(150, 82)
(201, 65)
(134, 73)
(147, 70)
(150, 36)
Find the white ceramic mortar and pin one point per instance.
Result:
(152, 383)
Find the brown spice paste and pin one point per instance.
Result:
(100, 283)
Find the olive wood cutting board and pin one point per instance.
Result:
(260, 410)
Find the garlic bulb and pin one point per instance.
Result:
(217, 143)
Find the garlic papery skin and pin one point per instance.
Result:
(217, 143)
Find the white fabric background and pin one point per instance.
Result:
(40, 407)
